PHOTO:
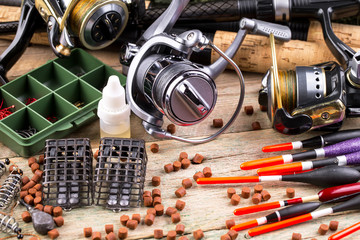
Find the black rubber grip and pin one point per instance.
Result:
(9, 27)
(311, 154)
(210, 11)
(351, 204)
(328, 176)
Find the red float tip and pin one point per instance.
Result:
(263, 162)
(256, 208)
(278, 147)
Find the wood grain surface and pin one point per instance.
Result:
(207, 207)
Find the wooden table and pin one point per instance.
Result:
(207, 207)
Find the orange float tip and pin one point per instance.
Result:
(263, 162)
(345, 232)
(225, 180)
(256, 208)
(278, 147)
(280, 169)
(245, 225)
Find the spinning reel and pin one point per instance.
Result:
(94, 23)
(315, 97)
(162, 81)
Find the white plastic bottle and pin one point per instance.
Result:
(113, 111)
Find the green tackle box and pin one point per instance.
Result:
(54, 99)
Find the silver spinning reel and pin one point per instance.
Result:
(161, 80)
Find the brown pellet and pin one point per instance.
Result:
(170, 211)
(155, 181)
(132, 224)
(230, 192)
(296, 236)
(258, 188)
(124, 219)
(151, 211)
(225, 237)
(230, 223)
(159, 209)
(149, 219)
(323, 229)
(25, 180)
(333, 226)
(146, 194)
(48, 209)
(256, 126)
(256, 198)
(158, 233)
(245, 192)
(12, 167)
(38, 187)
(31, 160)
(87, 232)
(34, 167)
(154, 148)
(218, 123)
(180, 192)
(39, 173)
(249, 110)
(198, 234)
(111, 236)
(263, 108)
(122, 233)
(183, 155)
(53, 233)
(96, 153)
(57, 211)
(207, 172)
(39, 207)
(59, 221)
(156, 201)
(23, 194)
(176, 166)
(148, 201)
(290, 192)
(109, 228)
(32, 191)
(235, 199)
(233, 234)
(136, 217)
(29, 199)
(185, 163)
(198, 175)
(180, 205)
(265, 195)
(180, 229)
(41, 159)
(156, 192)
(187, 183)
(96, 236)
(183, 238)
(37, 200)
(38, 194)
(29, 185)
(175, 218)
(168, 168)
(26, 217)
(171, 128)
(171, 235)
(198, 158)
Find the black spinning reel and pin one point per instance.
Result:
(94, 24)
(319, 96)
(161, 81)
